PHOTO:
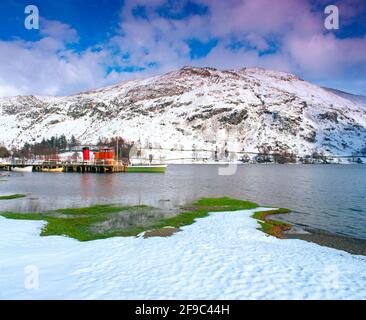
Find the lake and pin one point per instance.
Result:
(325, 197)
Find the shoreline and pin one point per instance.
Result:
(267, 223)
(225, 163)
(284, 230)
(323, 238)
(218, 163)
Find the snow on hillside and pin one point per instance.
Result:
(244, 109)
(222, 256)
(353, 97)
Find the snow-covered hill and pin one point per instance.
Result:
(242, 109)
(353, 97)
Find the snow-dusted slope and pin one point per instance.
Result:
(349, 96)
(241, 109)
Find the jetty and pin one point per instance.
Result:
(82, 167)
(103, 160)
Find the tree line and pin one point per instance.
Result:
(46, 147)
(57, 144)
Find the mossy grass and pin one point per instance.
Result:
(272, 227)
(225, 202)
(201, 208)
(96, 209)
(12, 196)
(79, 223)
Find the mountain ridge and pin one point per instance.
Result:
(246, 109)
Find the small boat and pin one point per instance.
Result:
(146, 168)
(22, 169)
(4, 175)
(53, 169)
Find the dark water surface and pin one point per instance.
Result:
(326, 197)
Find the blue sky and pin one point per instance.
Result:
(83, 44)
(93, 20)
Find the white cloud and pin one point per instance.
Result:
(159, 44)
(47, 67)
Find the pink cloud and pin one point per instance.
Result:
(326, 55)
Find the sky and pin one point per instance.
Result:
(86, 44)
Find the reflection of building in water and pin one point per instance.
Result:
(85, 184)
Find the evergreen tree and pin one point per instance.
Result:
(73, 142)
(4, 153)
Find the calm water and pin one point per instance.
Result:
(327, 197)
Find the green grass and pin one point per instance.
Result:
(269, 226)
(99, 209)
(225, 202)
(79, 223)
(146, 169)
(12, 196)
(202, 207)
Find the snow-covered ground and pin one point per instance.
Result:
(222, 256)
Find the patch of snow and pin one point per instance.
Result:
(222, 256)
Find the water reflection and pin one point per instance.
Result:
(137, 217)
(328, 197)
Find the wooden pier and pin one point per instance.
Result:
(82, 167)
(72, 167)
